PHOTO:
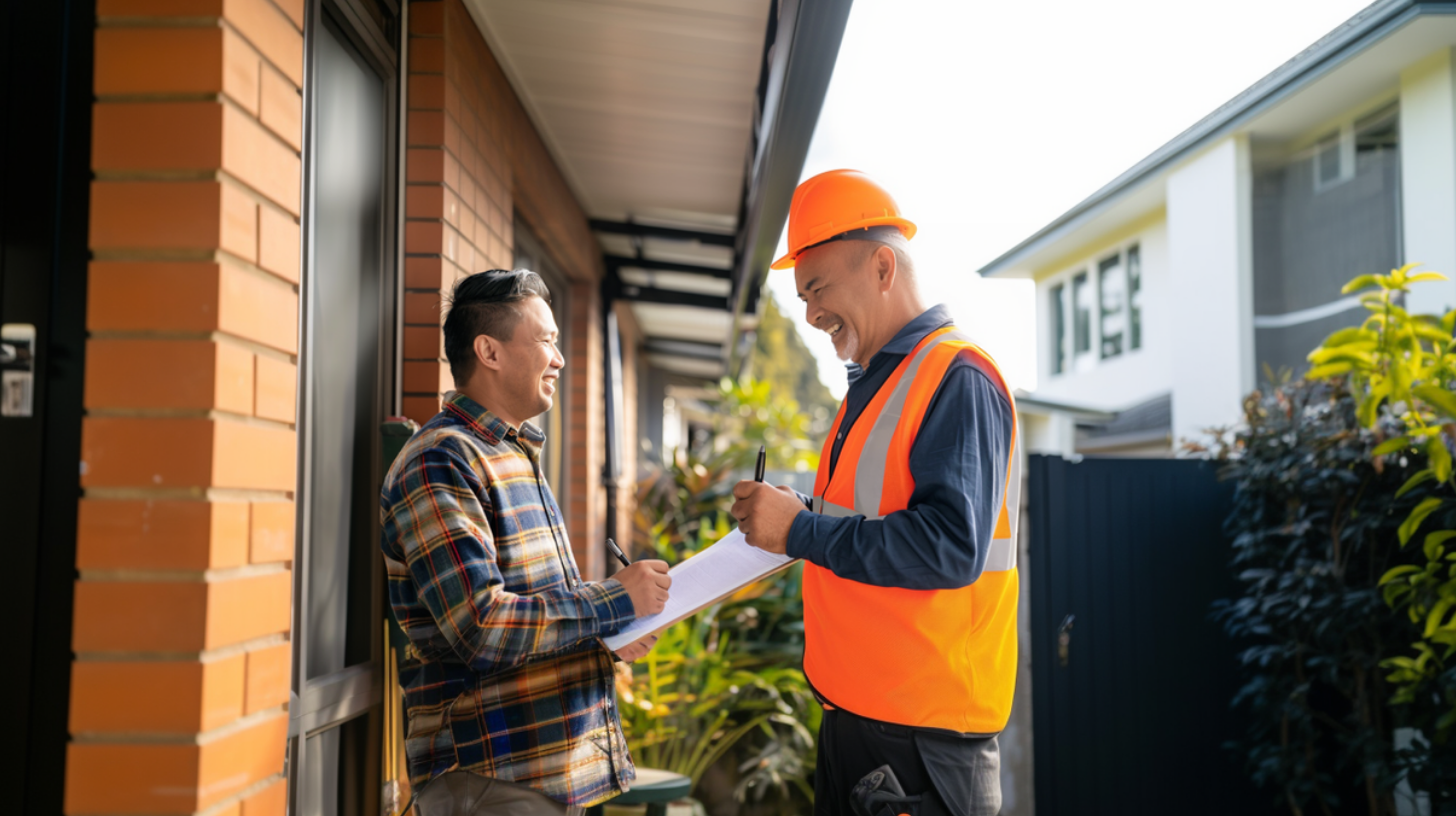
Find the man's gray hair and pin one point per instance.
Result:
(900, 245)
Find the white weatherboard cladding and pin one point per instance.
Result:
(1134, 376)
(1211, 286)
(1428, 176)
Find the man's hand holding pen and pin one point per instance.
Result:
(646, 583)
(765, 513)
(652, 588)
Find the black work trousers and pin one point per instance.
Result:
(951, 775)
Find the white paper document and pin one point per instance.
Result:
(709, 576)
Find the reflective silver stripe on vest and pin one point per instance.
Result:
(825, 508)
(1003, 550)
(869, 479)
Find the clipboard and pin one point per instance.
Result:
(703, 580)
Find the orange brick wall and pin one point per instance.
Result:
(186, 523)
(474, 163)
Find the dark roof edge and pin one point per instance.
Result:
(793, 88)
(1352, 36)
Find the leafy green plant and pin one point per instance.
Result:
(724, 687)
(1311, 536)
(695, 698)
(1403, 366)
(750, 414)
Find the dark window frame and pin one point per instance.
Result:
(350, 700)
(1059, 328)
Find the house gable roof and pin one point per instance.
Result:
(1365, 29)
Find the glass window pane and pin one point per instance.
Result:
(1059, 329)
(1081, 319)
(343, 355)
(1112, 290)
(1327, 161)
(1134, 297)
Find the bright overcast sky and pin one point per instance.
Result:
(988, 120)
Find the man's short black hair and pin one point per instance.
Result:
(484, 303)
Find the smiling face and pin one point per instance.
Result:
(841, 293)
(527, 367)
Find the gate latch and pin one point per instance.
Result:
(17, 369)
(1064, 640)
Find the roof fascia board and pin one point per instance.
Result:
(1285, 81)
(807, 45)
(1115, 239)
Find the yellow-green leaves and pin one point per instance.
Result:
(1437, 616)
(1435, 547)
(1354, 334)
(1423, 276)
(1407, 364)
(1421, 477)
(1438, 398)
(1413, 521)
(1399, 443)
(1368, 409)
(1439, 457)
(1361, 282)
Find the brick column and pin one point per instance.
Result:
(186, 523)
(457, 199)
(474, 161)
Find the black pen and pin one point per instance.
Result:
(617, 551)
(762, 460)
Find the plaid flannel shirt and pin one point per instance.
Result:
(505, 674)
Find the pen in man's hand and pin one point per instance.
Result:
(617, 551)
(762, 460)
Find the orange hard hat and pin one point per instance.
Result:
(833, 203)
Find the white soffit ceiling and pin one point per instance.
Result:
(1372, 73)
(646, 104)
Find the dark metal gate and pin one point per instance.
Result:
(1131, 679)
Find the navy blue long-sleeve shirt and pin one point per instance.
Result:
(958, 461)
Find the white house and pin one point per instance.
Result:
(1161, 297)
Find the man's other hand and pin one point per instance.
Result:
(633, 652)
(765, 514)
(646, 583)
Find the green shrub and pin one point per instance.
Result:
(725, 687)
(1352, 631)
(1312, 534)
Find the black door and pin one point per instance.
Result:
(45, 174)
(1131, 678)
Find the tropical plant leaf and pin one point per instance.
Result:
(1432, 548)
(1360, 282)
(1426, 276)
(1419, 478)
(1413, 521)
(1396, 572)
(1439, 456)
(1393, 445)
(1328, 370)
(1437, 397)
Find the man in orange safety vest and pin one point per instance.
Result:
(909, 541)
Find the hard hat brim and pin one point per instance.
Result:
(906, 226)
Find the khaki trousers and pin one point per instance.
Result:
(459, 793)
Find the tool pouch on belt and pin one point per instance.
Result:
(879, 794)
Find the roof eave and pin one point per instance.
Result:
(795, 83)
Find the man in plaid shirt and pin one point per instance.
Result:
(508, 688)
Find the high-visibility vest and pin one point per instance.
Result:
(943, 658)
